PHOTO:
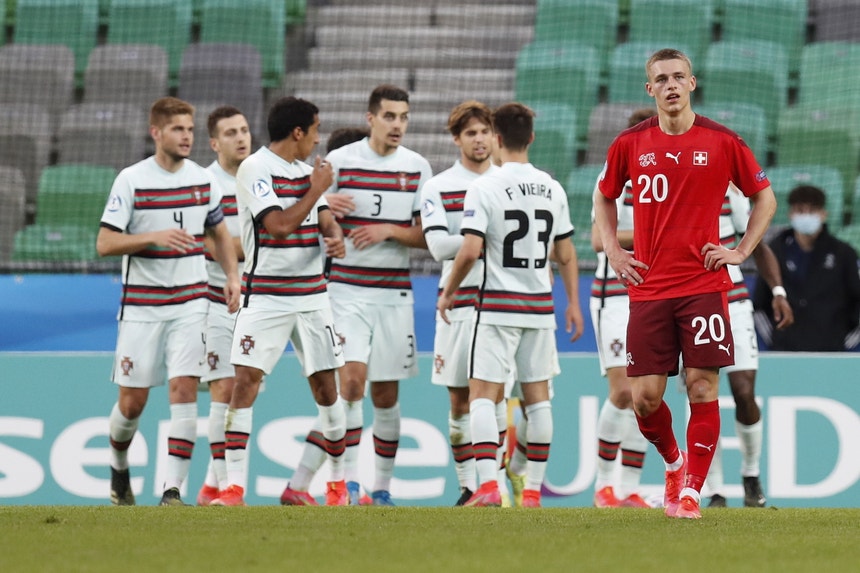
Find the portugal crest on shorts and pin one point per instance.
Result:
(213, 359)
(246, 344)
(439, 363)
(403, 179)
(616, 347)
(126, 365)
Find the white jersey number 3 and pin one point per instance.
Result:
(654, 188)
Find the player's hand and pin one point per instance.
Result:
(233, 293)
(443, 304)
(322, 175)
(783, 315)
(363, 237)
(341, 205)
(335, 247)
(626, 267)
(573, 321)
(175, 239)
(717, 256)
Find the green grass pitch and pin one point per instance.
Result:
(413, 540)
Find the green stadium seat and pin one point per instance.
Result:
(673, 23)
(165, 23)
(259, 23)
(580, 205)
(72, 23)
(747, 120)
(11, 208)
(591, 22)
(828, 74)
(56, 243)
(582, 179)
(785, 178)
(779, 21)
(74, 194)
(560, 72)
(554, 147)
(850, 234)
(627, 76)
(296, 11)
(754, 71)
(855, 204)
(821, 136)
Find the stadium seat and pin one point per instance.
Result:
(560, 72)
(850, 234)
(482, 16)
(72, 23)
(226, 73)
(779, 21)
(56, 243)
(296, 11)
(854, 205)
(407, 15)
(74, 194)
(325, 60)
(606, 122)
(821, 136)
(432, 101)
(201, 151)
(754, 71)
(458, 80)
(627, 75)
(554, 147)
(260, 23)
(590, 22)
(342, 80)
(672, 23)
(11, 208)
(784, 178)
(38, 75)
(581, 206)
(581, 180)
(432, 144)
(103, 134)
(25, 143)
(165, 23)
(835, 20)
(747, 120)
(828, 74)
(135, 74)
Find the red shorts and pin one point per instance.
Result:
(695, 327)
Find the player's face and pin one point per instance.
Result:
(475, 141)
(670, 83)
(175, 138)
(233, 142)
(388, 125)
(309, 139)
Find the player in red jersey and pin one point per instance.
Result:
(680, 165)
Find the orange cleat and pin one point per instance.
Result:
(531, 498)
(634, 500)
(488, 495)
(674, 484)
(605, 497)
(206, 494)
(234, 495)
(336, 494)
(296, 497)
(688, 509)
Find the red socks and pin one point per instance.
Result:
(657, 429)
(703, 432)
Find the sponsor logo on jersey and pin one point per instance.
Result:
(700, 158)
(647, 159)
(126, 365)
(262, 188)
(676, 157)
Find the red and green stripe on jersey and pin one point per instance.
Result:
(229, 205)
(283, 286)
(350, 223)
(739, 290)
(305, 236)
(452, 201)
(141, 295)
(157, 252)
(605, 288)
(369, 180)
(188, 196)
(287, 188)
(370, 277)
(464, 296)
(515, 302)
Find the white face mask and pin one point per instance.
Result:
(806, 223)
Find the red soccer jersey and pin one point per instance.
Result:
(679, 182)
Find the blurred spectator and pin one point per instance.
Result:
(820, 274)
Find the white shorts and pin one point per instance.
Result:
(515, 390)
(148, 353)
(501, 353)
(219, 341)
(610, 330)
(743, 331)
(379, 335)
(451, 353)
(261, 335)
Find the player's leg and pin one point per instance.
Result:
(611, 428)
(386, 437)
(123, 423)
(484, 395)
(748, 426)
(220, 391)
(314, 455)
(538, 412)
(460, 435)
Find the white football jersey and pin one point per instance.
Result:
(606, 283)
(385, 189)
(734, 217)
(281, 274)
(520, 212)
(442, 211)
(161, 283)
(227, 184)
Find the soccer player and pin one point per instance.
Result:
(370, 287)
(610, 310)
(230, 139)
(156, 217)
(680, 166)
(515, 216)
(742, 375)
(284, 299)
(470, 124)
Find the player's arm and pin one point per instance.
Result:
(473, 244)
(332, 234)
(225, 253)
(568, 269)
(763, 208)
(411, 236)
(606, 221)
(282, 222)
(112, 242)
(768, 269)
(442, 245)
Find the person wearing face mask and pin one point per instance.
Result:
(821, 275)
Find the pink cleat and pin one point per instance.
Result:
(674, 484)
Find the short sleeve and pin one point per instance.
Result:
(120, 204)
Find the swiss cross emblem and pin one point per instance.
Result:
(213, 359)
(403, 181)
(126, 365)
(700, 158)
(246, 344)
(439, 363)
